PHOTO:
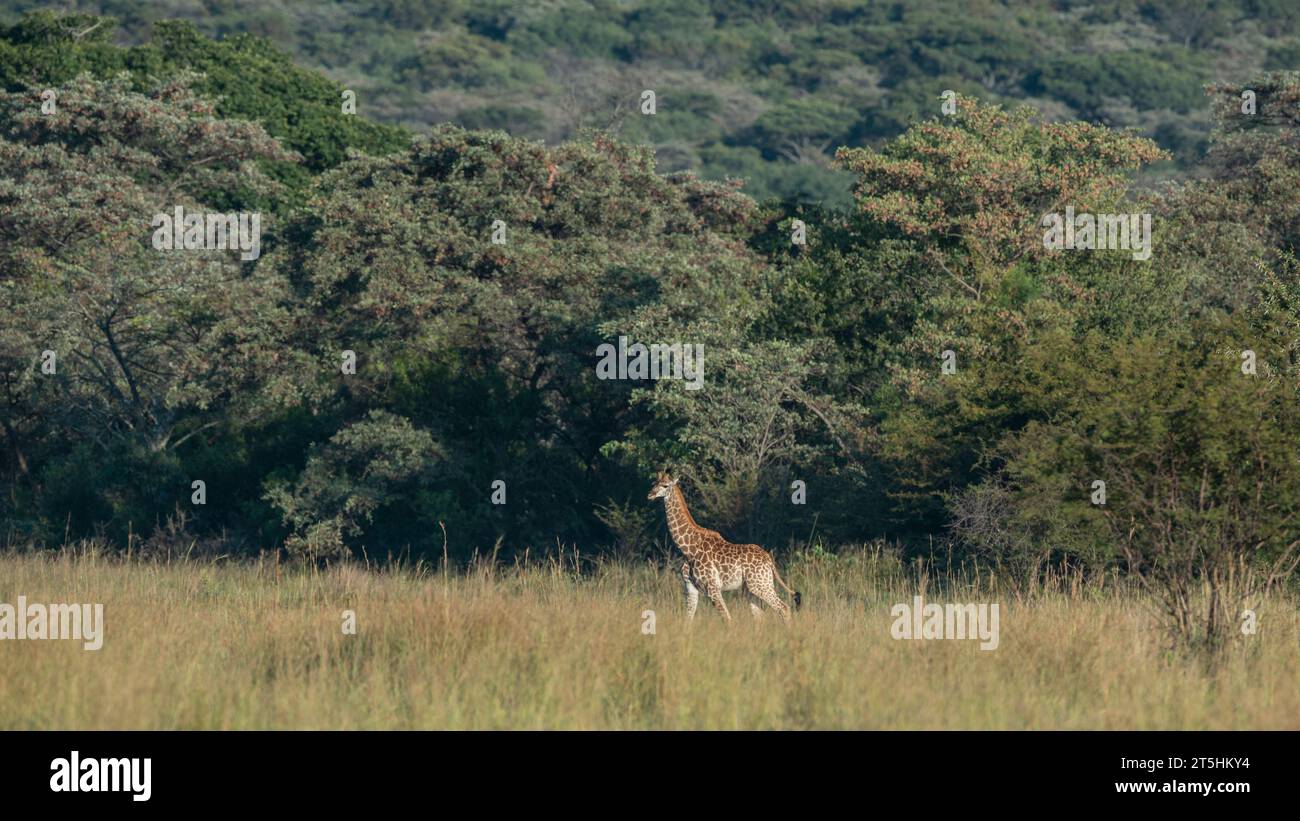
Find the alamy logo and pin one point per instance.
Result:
(1096, 232)
(637, 361)
(209, 232)
(79, 622)
(921, 621)
(75, 774)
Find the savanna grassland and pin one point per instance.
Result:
(456, 211)
(258, 645)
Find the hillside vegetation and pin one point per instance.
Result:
(763, 92)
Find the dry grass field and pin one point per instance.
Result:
(261, 646)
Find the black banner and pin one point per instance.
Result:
(144, 771)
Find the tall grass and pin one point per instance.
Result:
(555, 645)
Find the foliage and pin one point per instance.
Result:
(149, 349)
(791, 82)
(244, 77)
(380, 466)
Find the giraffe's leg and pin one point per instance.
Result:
(766, 591)
(754, 607)
(715, 596)
(774, 601)
(692, 592)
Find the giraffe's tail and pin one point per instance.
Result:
(794, 594)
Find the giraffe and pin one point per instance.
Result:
(716, 564)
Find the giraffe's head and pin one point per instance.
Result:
(663, 484)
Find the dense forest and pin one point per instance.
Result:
(412, 354)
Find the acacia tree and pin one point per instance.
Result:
(1243, 214)
(474, 277)
(952, 212)
(1135, 390)
(1201, 488)
(149, 348)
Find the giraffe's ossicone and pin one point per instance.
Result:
(715, 564)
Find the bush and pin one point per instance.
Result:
(371, 469)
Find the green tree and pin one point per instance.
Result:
(366, 488)
(151, 348)
(954, 210)
(491, 346)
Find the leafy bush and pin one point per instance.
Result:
(372, 468)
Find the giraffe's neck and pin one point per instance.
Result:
(680, 524)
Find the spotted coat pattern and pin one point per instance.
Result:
(714, 564)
